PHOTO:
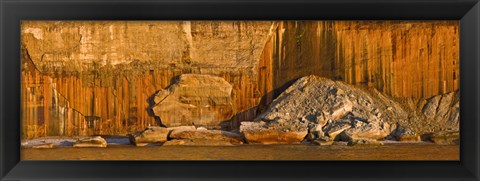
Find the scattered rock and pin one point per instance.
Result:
(310, 137)
(150, 135)
(406, 134)
(364, 142)
(369, 131)
(337, 107)
(197, 142)
(337, 128)
(446, 138)
(93, 142)
(195, 99)
(409, 138)
(322, 143)
(209, 137)
(46, 145)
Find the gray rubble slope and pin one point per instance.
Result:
(339, 110)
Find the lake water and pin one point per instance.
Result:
(391, 151)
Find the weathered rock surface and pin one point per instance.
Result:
(207, 137)
(177, 129)
(443, 109)
(194, 99)
(337, 107)
(148, 136)
(93, 142)
(45, 145)
(116, 66)
(446, 138)
(322, 143)
(372, 131)
(364, 142)
(336, 128)
(403, 133)
(198, 142)
(275, 132)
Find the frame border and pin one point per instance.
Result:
(12, 12)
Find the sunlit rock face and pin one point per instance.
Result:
(199, 100)
(81, 45)
(98, 77)
(111, 70)
(399, 58)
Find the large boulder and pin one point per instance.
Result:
(206, 137)
(276, 132)
(91, 142)
(194, 99)
(149, 136)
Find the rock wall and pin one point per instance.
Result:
(415, 59)
(108, 72)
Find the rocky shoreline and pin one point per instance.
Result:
(313, 110)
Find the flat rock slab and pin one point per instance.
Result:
(363, 142)
(46, 145)
(195, 99)
(446, 138)
(409, 138)
(273, 132)
(369, 132)
(149, 136)
(196, 142)
(209, 137)
(322, 143)
(178, 129)
(91, 142)
(274, 137)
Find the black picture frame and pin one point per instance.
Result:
(13, 11)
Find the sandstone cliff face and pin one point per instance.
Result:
(107, 72)
(403, 59)
(80, 46)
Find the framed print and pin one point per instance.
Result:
(239, 90)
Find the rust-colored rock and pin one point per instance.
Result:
(273, 133)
